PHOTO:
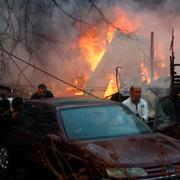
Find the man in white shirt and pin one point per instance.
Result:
(136, 104)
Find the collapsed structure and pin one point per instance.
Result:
(131, 53)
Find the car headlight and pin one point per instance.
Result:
(126, 172)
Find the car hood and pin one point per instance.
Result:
(143, 150)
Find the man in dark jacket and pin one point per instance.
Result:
(42, 92)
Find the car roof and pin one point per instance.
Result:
(72, 101)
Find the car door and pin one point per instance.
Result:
(165, 118)
(20, 138)
(46, 134)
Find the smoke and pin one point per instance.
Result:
(47, 34)
(159, 17)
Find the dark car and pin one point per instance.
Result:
(89, 137)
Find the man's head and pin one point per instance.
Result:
(135, 93)
(41, 90)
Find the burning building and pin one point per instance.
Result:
(132, 55)
(83, 46)
(123, 51)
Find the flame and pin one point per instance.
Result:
(92, 47)
(160, 61)
(144, 70)
(125, 23)
(159, 64)
(145, 73)
(79, 93)
(160, 55)
(95, 40)
(112, 88)
(79, 82)
(93, 44)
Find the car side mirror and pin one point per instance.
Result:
(166, 126)
(162, 127)
(53, 137)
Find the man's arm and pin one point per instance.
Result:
(49, 94)
(34, 96)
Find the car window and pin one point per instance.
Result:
(27, 117)
(47, 122)
(101, 122)
(165, 112)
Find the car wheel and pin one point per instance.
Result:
(4, 158)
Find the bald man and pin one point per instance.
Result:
(136, 104)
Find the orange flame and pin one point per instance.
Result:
(123, 23)
(79, 93)
(95, 40)
(145, 73)
(160, 56)
(92, 47)
(160, 61)
(144, 70)
(159, 65)
(93, 44)
(112, 88)
(79, 82)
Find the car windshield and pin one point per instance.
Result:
(94, 122)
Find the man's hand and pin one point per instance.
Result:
(143, 119)
(14, 114)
